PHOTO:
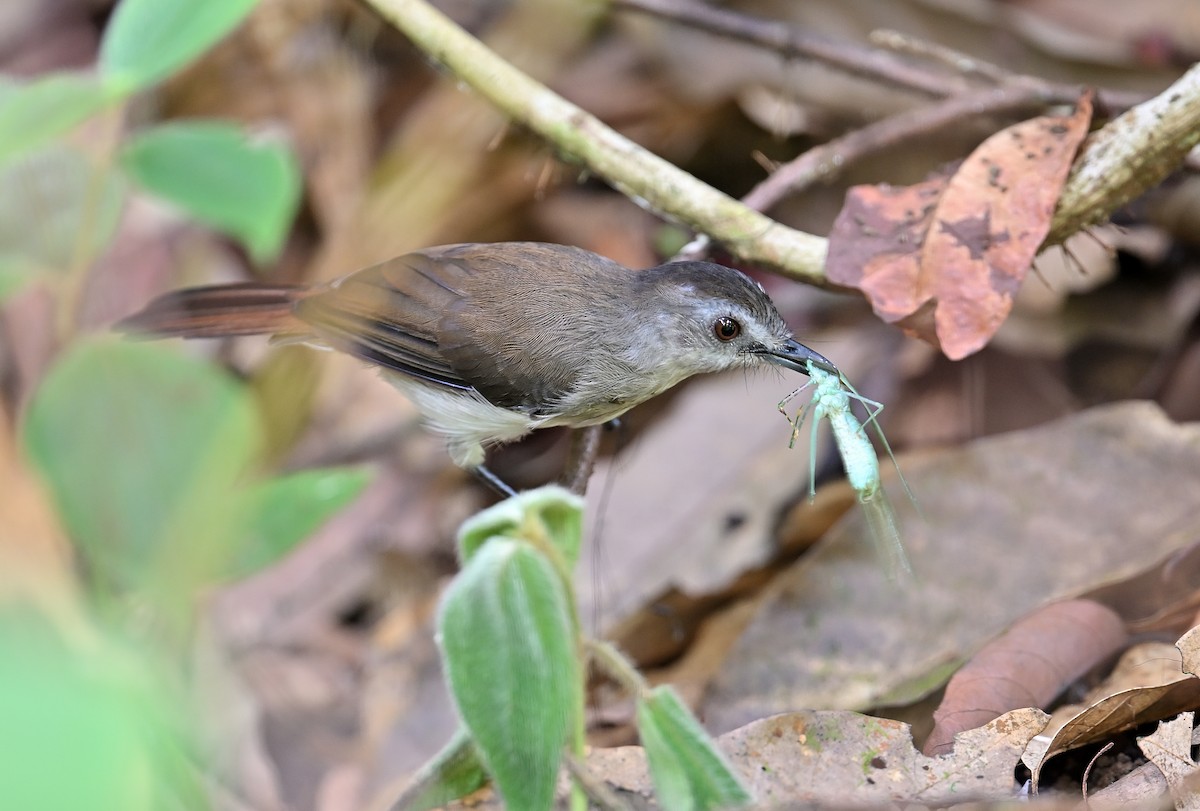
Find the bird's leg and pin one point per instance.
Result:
(581, 459)
(493, 481)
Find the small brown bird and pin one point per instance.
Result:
(492, 341)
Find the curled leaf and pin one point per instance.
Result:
(1027, 666)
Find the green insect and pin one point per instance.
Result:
(831, 400)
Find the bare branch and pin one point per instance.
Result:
(857, 60)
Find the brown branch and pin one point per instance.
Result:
(955, 60)
(869, 63)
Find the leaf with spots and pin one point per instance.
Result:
(944, 258)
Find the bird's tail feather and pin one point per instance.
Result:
(220, 311)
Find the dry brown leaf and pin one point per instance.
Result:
(1189, 651)
(944, 258)
(876, 242)
(845, 759)
(1164, 597)
(1148, 684)
(1027, 666)
(1170, 749)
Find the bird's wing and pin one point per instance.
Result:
(387, 314)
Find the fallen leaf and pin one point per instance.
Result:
(959, 247)
(1149, 683)
(1163, 598)
(1170, 749)
(846, 759)
(1027, 666)
(1189, 651)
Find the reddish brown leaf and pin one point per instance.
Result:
(958, 250)
(1026, 667)
(876, 244)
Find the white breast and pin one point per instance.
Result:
(466, 419)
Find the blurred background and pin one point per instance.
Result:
(311, 654)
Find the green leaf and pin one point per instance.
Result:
(214, 173)
(55, 208)
(87, 726)
(551, 513)
(14, 273)
(512, 661)
(148, 40)
(454, 772)
(34, 113)
(287, 509)
(689, 772)
(143, 451)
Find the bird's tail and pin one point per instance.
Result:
(219, 311)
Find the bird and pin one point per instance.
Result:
(491, 341)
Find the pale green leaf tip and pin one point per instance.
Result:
(512, 511)
(116, 85)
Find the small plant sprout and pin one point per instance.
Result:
(831, 400)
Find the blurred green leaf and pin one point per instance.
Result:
(53, 204)
(552, 512)
(13, 275)
(213, 172)
(86, 728)
(688, 770)
(142, 450)
(148, 40)
(286, 510)
(509, 648)
(33, 113)
(454, 772)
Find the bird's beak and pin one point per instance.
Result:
(794, 355)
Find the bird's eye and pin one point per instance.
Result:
(726, 328)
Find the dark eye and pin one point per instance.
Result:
(726, 328)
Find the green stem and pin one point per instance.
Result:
(613, 662)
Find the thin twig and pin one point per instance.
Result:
(955, 60)
(857, 60)
(823, 162)
(1088, 771)
(790, 41)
